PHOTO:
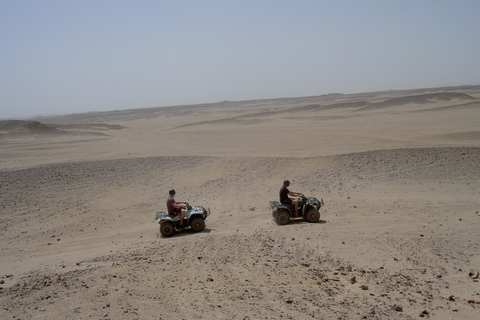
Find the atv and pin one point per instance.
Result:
(194, 220)
(307, 210)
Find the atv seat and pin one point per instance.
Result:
(278, 204)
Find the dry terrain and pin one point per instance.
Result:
(398, 237)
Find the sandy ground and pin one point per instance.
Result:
(398, 237)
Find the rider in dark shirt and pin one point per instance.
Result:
(284, 193)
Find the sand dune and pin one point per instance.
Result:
(397, 238)
(419, 99)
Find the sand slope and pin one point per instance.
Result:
(398, 235)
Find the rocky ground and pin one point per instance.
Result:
(375, 253)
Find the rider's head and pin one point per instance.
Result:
(171, 192)
(286, 183)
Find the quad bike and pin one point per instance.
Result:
(307, 210)
(194, 220)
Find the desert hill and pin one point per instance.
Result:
(397, 237)
(27, 127)
(456, 95)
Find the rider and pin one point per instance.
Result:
(284, 193)
(175, 207)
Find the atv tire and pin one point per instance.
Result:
(312, 215)
(198, 224)
(282, 217)
(166, 228)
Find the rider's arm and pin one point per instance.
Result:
(179, 205)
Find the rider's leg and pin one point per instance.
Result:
(182, 215)
(295, 203)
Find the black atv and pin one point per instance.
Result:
(308, 210)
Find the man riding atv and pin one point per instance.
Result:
(284, 199)
(306, 208)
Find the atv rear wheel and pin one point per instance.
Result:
(312, 215)
(198, 224)
(166, 228)
(282, 217)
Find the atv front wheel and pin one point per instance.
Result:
(198, 224)
(312, 215)
(166, 228)
(282, 217)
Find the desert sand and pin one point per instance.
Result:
(398, 237)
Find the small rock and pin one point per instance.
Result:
(424, 313)
(398, 308)
(364, 287)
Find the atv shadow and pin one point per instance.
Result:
(188, 232)
(295, 221)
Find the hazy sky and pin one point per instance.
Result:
(68, 56)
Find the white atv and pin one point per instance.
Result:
(194, 220)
